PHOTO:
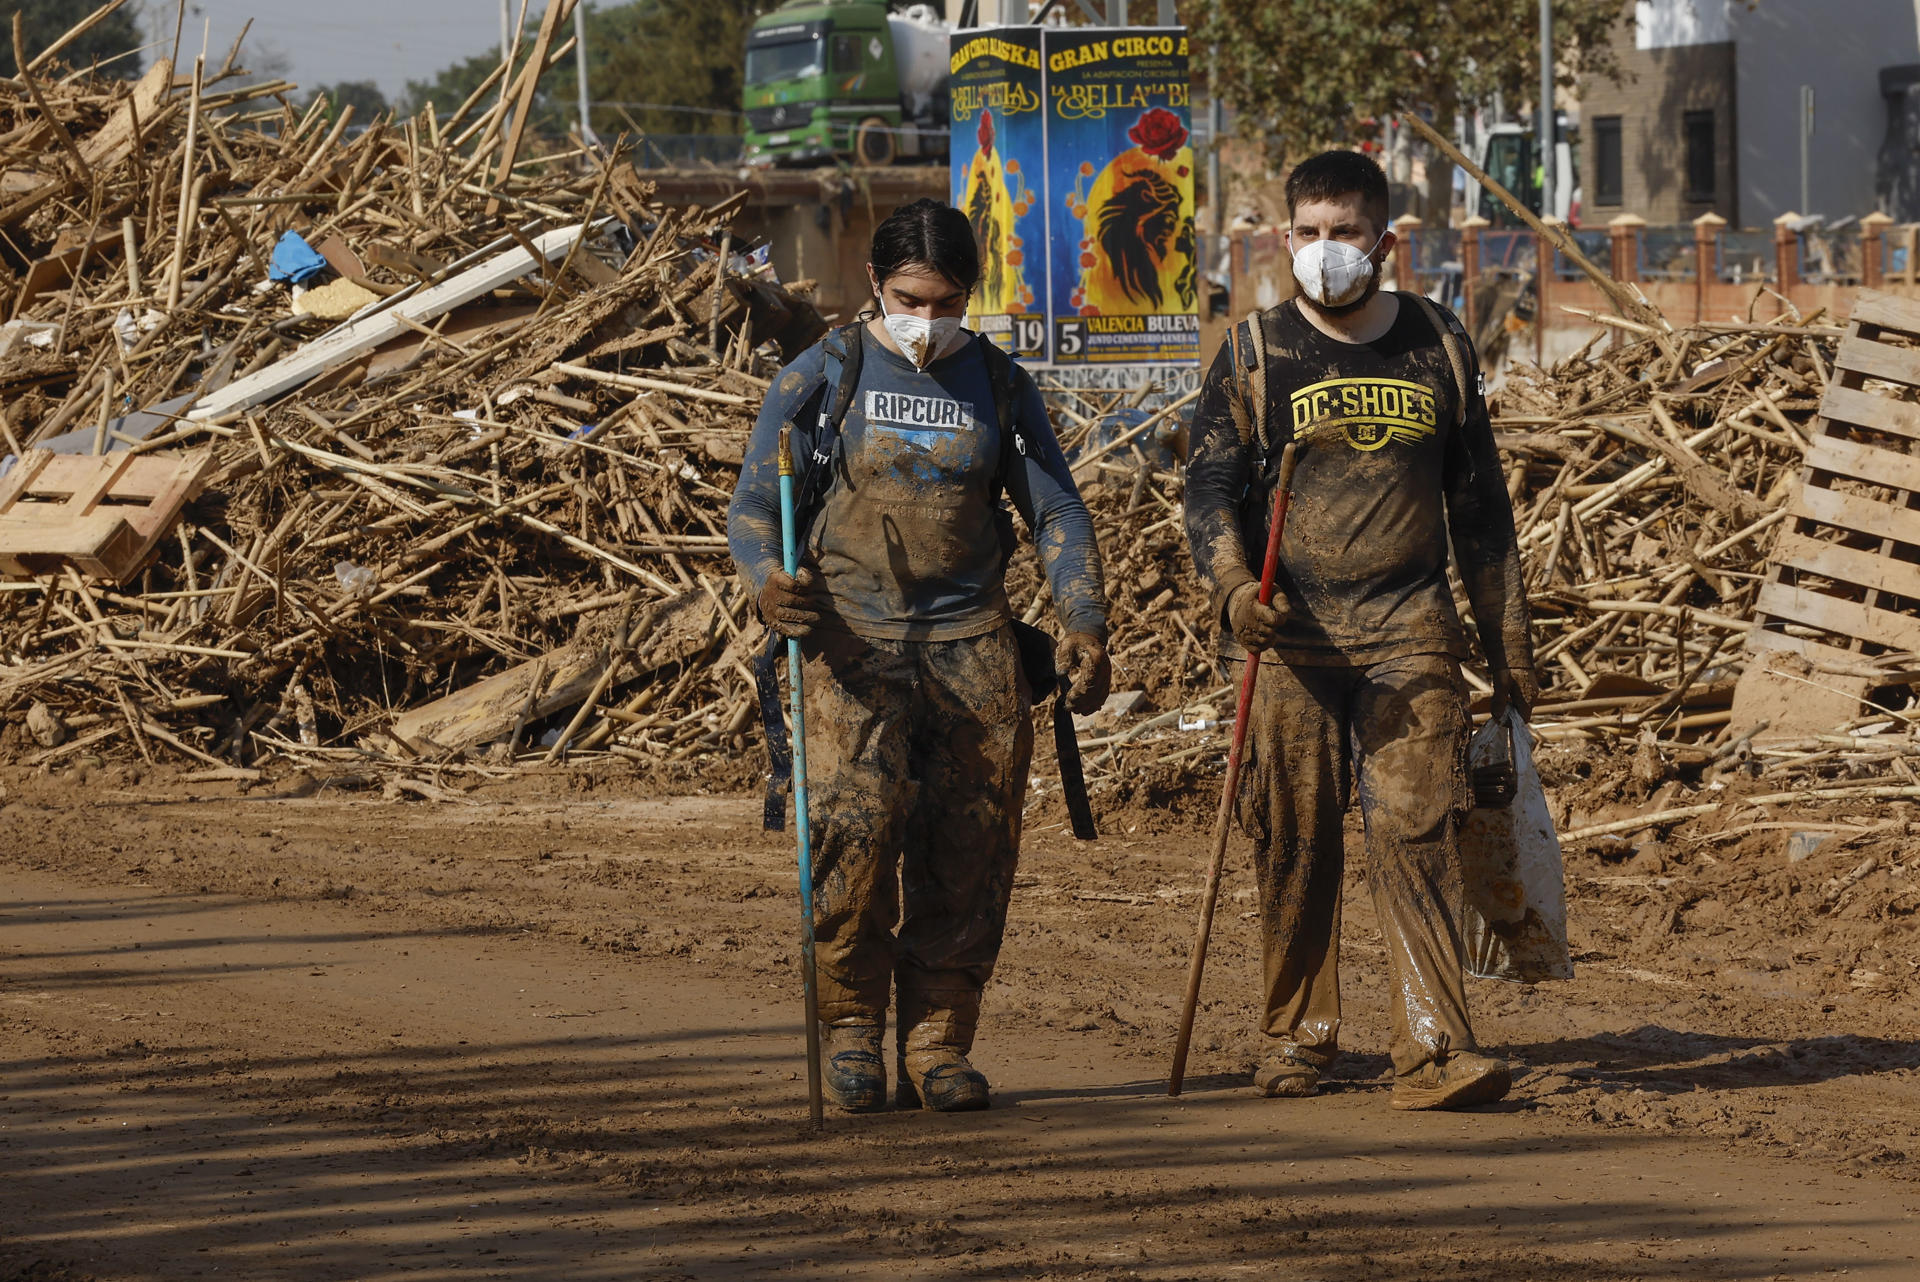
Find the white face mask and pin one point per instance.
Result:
(920, 337)
(1332, 272)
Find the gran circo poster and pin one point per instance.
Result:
(998, 168)
(1122, 249)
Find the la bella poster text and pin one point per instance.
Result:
(1118, 282)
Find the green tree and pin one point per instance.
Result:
(1309, 74)
(668, 66)
(686, 56)
(44, 21)
(363, 96)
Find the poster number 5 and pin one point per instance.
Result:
(1071, 342)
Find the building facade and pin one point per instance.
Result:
(1661, 142)
(1714, 98)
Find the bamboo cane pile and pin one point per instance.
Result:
(498, 537)
(529, 487)
(1648, 481)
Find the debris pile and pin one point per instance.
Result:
(1650, 480)
(447, 436)
(396, 447)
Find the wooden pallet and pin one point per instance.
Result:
(101, 514)
(1845, 571)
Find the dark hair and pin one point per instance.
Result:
(927, 234)
(1333, 174)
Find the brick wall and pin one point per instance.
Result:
(1657, 89)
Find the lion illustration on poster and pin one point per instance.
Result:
(1137, 235)
(994, 196)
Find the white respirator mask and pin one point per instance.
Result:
(921, 338)
(1332, 272)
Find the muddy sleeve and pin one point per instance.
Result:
(1219, 468)
(1043, 492)
(753, 517)
(1485, 549)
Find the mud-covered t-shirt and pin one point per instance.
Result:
(911, 542)
(1387, 475)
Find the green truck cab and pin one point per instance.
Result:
(845, 79)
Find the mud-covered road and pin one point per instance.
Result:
(551, 1029)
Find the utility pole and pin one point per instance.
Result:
(1806, 149)
(507, 46)
(580, 71)
(1544, 140)
(1216, 191)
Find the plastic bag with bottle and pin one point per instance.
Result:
(1515, 911)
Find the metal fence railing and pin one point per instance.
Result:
(1747, 257)
(1591, 242)
(1669, 253)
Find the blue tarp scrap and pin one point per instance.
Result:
(294, 260)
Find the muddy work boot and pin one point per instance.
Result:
(934, 1040)
(1284, 1075)
(940, 1078)
(1460, 1080)
(852, 1073)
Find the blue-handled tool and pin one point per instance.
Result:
(790, 555)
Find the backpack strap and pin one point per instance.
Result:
(1459, 348)
(1005, 413)
(843, 352)
(1250, 352)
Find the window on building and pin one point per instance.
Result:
(1608, 176)
(1698, 126)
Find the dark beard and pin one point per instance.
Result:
(1347, 309)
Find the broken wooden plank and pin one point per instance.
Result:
(1864, 462)
(1858, 566)
(361, 336)
(102, 514)
(1858, 512)
(1841, 618)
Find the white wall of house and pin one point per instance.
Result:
(1666, 24)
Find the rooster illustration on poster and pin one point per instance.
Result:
(1137, 224)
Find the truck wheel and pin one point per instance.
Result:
(873, 142)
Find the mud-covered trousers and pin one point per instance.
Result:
(917, 759)
(1399, 729)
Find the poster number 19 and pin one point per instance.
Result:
(1029, 335)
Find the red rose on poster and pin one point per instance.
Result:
(1159, 133)
(985, 132)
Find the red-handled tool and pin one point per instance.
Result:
(1223, 822)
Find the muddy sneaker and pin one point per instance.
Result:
(853, 1075)
(941, 1078)
(1282, 1076)
(1455, 1081)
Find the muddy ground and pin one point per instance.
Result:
(552, 1026)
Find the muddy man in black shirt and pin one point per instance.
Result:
(1362, 643)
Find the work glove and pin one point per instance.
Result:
(787, 604)
(1255, 626)
(1082, 659)
(1517, 688)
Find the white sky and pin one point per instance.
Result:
(326, 41)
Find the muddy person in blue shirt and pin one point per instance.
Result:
(918, 733)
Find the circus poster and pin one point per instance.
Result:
(999, 171)
(1122, 252)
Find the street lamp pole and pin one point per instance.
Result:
(1544, 136)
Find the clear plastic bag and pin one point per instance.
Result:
(1515, 911)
